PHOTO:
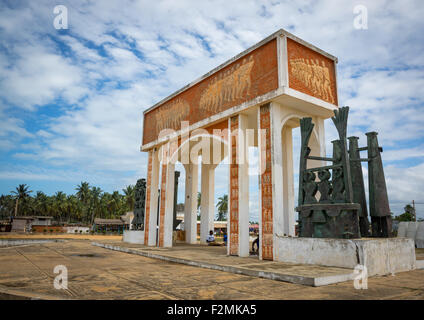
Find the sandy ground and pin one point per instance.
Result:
(97, 273)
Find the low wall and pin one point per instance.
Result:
(77, 230)
(47, 229)
(133, 236)
(18, 242)
(380, 256)
(412, 230)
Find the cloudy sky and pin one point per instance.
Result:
(71, 100)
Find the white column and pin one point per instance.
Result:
(243, 177)
(288, 181)
(153, 211)
(207, 207)
(169, 206)
(190, 206)
(320, 129)
(279, 184)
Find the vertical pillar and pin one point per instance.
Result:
(151, 199)
(166, 201)
(239, 188)
(266, 240)
(207, 207)
(320, 129)
(233, 218)
(288, 181)
(190, 206)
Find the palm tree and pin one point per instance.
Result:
(83, 194)
(21, 193)
(59, 204)
(7, 205)
(95, 203)
(199, 201)
(222, 207)
(73, 208)
(129, 193)
(40, 203)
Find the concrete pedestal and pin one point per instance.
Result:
(419, 236)
(380, 256)
(133, 236)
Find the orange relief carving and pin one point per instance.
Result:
(310, 72)
(266, 187)
(171, 114)
(244, 79)
(234, 189)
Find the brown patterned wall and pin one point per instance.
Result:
(310, 72)
(162, 203)
(246, 78)
(148, 188)
(234, 188)
(266, 185)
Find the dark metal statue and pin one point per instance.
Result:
(139, 205)
(341, 210)
(333, 215)
(358, 185)
(381, 221)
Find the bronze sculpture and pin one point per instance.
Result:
(341, 210)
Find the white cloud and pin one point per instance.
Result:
(152, 49)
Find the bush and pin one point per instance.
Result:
(44, 230)
(76, 231)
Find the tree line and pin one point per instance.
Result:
(88, 203)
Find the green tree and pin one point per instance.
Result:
(199, 201)
(129, 193)
(83, 194)
(73, 209)
(7, 206)
(59, 206)
(408, 215)
(21, 194)
(95, 207)
(40, 204)
(222, 207)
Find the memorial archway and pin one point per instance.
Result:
(256, 98)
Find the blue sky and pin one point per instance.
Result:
(71, 101)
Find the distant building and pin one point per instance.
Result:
(110, 225)
(128, 218)
(25, 223)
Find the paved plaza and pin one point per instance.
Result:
(26, 271)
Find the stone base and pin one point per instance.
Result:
(380, 256)
(133, 236)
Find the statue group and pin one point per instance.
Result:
(139, 205)
(341, 211)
